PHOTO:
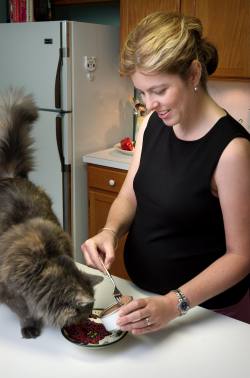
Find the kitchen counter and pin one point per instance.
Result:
(110, 157)
(201, 344)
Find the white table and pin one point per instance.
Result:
(201, 344)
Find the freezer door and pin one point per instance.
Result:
(47, 171)
(30, 55)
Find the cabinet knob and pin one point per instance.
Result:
(111, 182)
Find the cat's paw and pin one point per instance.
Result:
(30, 332)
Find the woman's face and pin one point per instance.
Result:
(167, 94)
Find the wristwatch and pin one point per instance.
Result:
(183, 303)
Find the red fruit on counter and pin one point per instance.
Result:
(127, 144)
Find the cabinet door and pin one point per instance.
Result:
(131, 12)
(226, 24)
(99, 205)
(105, 179)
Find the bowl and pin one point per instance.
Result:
(109, 314)
(92, 334)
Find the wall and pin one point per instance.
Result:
(234, 97)
(3, 10)
(108, 14)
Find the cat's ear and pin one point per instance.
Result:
(94, 279)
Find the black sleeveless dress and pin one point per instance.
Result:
(178, 227)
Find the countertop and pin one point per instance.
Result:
(110, 157)
(201, 344)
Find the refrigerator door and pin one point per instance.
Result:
(47, 173)
(30, 58)
(52, 136)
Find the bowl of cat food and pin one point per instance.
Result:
(100, 330)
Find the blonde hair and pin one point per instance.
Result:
(168, 43)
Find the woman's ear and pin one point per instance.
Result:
(195, 73)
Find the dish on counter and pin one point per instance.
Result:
(92, 334)
(118, 148)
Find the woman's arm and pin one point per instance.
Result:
(232, 184)
(120, 216)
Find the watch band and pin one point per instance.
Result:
(183, 303)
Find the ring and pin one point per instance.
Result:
(148, 322)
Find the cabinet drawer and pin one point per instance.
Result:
(104, 178)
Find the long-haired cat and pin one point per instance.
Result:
(39, 280)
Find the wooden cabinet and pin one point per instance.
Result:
(226, 24)
(131, 12)
(103, 186)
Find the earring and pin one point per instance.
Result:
(195, 88)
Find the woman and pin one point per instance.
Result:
(185, 200)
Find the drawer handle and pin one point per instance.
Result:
(111, 182)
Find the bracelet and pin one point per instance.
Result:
(113, 232)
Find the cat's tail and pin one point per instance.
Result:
(17, 114)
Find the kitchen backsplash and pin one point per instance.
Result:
(233, 97)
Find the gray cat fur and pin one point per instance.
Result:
(39, 280)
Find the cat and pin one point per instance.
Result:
(39, 280)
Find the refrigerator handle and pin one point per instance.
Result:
(58, 80)
(59, 140)
(66, 178)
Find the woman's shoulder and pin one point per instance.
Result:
(238, 148)
(234, 161)
(233, 128)
(227, 134)
(234, 139)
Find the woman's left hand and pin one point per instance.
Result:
(149, 314)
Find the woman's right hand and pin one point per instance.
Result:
(103, 246)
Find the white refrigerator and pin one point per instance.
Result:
(72, 69)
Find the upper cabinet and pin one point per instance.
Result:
(226, 24)
(131, 12)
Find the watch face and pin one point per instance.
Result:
(184, 306)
